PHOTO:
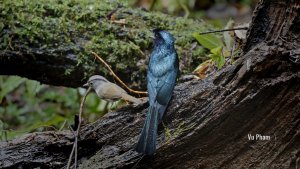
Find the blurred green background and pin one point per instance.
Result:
(27, 105)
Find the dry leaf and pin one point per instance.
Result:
(121, 21)
(201, 70)
(228, 35)
(241, 34)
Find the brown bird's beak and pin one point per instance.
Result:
(86, 85)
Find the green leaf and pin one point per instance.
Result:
(56, 119)
(221, 61)
(208, 41)
(32, 87)
(10, 84)
(216, 51)
(216, 55)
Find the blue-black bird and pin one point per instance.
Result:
(161, 78)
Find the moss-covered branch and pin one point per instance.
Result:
(51, 41)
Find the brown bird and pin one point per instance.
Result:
(109, 91)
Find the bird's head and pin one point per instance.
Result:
(95, 81)
(163, 37)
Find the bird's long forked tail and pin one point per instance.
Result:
(147, 142)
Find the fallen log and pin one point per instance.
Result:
(247, 115)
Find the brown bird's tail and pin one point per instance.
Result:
(132, 99)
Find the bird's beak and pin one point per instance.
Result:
(86, 85)
(155, 30)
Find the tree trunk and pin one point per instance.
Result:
(209, 123)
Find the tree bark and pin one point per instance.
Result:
(208, 122)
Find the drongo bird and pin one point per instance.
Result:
(161, 78)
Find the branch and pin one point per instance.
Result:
(75, 144)
(115, 76)
(53, 46)
(224, 30)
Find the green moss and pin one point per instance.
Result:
(79, 27)
(176, 132)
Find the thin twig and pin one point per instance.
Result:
(232, 52)
(72, 152)
(224, 30)
(115, 76)
(135, 165)
(77, 131)
(109, 15)
(76, 148)
(9, 43)
(152, 5)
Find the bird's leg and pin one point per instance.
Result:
(111, 105)
(106, 108)
(126, 102)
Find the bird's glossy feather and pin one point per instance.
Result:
(161, 79)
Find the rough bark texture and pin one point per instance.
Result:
(275, 22)
(207, 123)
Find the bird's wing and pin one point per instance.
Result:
(160, 91)
(113, 91)
(160, 88)
(166, 87)
(152, 90)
